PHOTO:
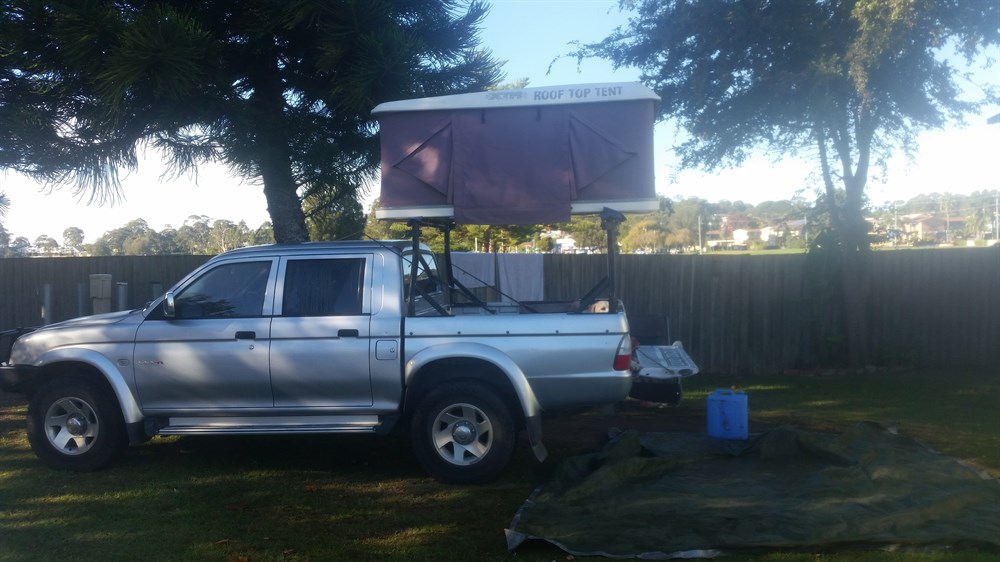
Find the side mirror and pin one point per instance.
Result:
(428, 286)
(168, 305)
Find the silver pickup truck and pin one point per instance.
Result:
(341, 337)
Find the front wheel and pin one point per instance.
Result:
(74, 424)
(463, 433)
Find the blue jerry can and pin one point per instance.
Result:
(727, 414)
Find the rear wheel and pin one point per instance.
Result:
(75, 424)
(463, 433)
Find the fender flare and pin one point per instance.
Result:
(530, 406)
(126, 399)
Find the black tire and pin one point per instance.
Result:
(75, 424)
(463, 433)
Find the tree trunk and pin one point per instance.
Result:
(855, 279)
(856, 264)
(273, 155)
(283, 203)
(849, 241)
(488, 239)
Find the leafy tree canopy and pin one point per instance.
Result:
(846, 81)
(279, 90)
(337, 219)
(73, 238)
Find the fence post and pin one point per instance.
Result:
(46, 304)
(122, 295)
(100, 292)
(155, 289)
(81, 299)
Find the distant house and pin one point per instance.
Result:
(795, 228)
(791, 229)
(770, 234)
(715, 241)
(743, 235)
(564, 246)
(918, 225)
(562, 242)
(931, 227)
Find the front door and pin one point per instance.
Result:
(213, 354)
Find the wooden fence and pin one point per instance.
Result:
(735, 314)
(23, 284)
(774, 313)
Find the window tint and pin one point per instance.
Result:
(323, 287)
(234, 290)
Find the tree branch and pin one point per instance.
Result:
(824, 162)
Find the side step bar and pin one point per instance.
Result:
(269, 425)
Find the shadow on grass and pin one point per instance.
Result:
(263, 498)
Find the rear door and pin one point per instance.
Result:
(320, 333)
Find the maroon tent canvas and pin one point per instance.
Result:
(528, 156)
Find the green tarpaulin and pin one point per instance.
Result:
(662, 495)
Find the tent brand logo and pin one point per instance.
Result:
(508, 95)
(578, 93)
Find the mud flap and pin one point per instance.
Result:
(533, 426)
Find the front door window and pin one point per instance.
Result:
(229, 291)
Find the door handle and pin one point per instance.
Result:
(347, 333)
(246, 335)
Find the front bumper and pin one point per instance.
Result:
(14, 378)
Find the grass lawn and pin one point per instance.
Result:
(364, 498)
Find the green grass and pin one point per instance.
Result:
(957, 413)
(358, 498)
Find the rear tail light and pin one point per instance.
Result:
(623, 358)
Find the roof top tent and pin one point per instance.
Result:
(524, 156)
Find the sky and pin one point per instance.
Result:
(530, 35)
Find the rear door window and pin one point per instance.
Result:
(323, 287)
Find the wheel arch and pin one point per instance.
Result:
(74, 419)
(439, 364)
(94, 367)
